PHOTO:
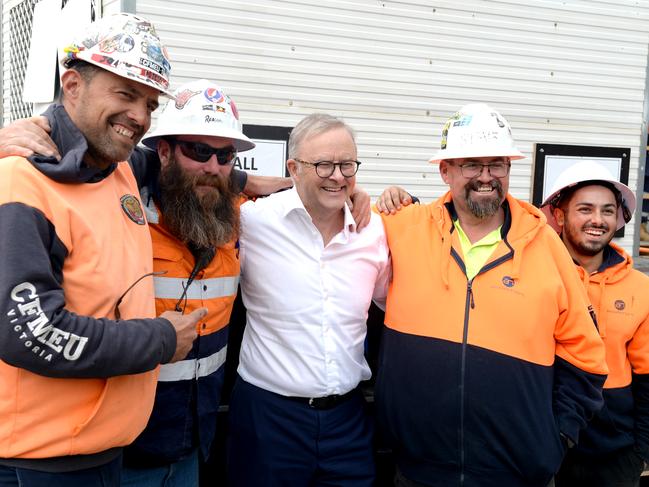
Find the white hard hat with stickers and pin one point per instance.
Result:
(582, 172)
(476, 130)
(126, 45)
(200, 108)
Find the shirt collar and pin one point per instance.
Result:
(292, 202)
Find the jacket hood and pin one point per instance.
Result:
(616, 266)
(72, 146)
(522, 223)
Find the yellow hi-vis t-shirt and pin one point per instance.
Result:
(475, 255)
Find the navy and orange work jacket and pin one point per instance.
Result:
(478, 379)
(187, 399)
(620, 295)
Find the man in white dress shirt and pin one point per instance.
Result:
(307, 279)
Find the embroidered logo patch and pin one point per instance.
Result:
(619, 305)
(508, 281)
(132, 208)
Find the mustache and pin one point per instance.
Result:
(603, 226)
(213, 180)
(474, 185)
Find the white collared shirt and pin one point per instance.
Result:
(306, 303)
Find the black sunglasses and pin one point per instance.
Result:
(200, 152)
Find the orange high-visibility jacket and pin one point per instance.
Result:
(477, 379)
(185, 411)
(620, 295)
(73, 379)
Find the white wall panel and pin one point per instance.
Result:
(569, 71)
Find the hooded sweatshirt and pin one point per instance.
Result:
(78, 346)
(478, 379)
(620, 295)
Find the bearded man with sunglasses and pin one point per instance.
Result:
(297, 416)
(490, 364)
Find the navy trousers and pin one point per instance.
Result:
(107, 475)
(275, 441)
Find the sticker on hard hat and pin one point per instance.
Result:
(183, 97)
(214, 95)
(105, 60)
(151, 65)
(154, 52)
(141, 26)
(151, 76)
(501, 124)
(210, 118)
(475, 137)
(235, 112)
(120, 43)
(214, 108)
(466, 120)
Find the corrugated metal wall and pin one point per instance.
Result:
(569, 72)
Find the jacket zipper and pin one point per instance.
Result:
(468, 306)
(465, 333)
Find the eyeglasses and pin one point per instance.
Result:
(200, 152)
(325, 169)
(474, 169)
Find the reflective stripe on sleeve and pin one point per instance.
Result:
(192, 369)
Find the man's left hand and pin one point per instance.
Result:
(27, 137)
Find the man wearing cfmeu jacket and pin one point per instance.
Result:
(490, 363)
(79, 346)
(586, 206)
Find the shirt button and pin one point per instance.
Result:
(204, 288)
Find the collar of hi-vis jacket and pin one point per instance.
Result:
(521, 224)
(616, 265)
(72, 146)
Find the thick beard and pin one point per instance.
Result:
(484, 208)
(206, 220)
(582, 248)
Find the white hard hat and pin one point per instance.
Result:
(476, 130)
(200, 108)
(588, 171)
(125, 45)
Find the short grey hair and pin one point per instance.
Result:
(312, 125)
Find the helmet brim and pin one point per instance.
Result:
(510, 152)
(628, 200)
(240, 141)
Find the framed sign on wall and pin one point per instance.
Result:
(269, 156)
(551, 159)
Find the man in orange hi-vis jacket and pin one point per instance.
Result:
(79, 344)
(491, 363)
(587, 205)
